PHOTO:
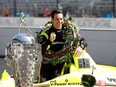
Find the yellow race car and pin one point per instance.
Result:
(83, 72)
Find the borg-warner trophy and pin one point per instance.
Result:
(22, 55)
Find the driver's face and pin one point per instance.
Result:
(58, 21)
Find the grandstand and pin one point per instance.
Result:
(75, 8)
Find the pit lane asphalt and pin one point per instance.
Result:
(3, 66)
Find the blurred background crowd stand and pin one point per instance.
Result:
(6, 12)
(74, 8)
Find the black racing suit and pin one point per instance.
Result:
(48, 70)
(58, 42)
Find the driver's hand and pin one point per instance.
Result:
(52, 36)
(78, 51)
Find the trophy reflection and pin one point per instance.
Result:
(22, 55)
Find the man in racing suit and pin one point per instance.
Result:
(53, 39)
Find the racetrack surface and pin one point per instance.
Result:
(3, 66)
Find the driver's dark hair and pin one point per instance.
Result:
(55, 12)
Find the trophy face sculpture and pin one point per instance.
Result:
(22, 56)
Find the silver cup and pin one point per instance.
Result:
(22, 55)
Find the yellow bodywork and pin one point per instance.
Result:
(6, 80)
(105, 75)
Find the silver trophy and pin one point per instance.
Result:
(22, 55)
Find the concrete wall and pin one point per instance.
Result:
(101, 45)
(99, 33)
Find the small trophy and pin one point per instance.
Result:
(22, 55)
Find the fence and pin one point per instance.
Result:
(74, 8)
